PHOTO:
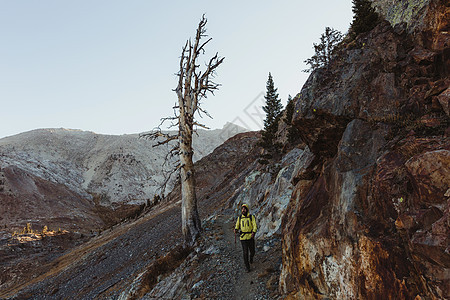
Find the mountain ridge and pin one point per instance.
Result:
(98, 170)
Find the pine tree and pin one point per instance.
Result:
(272, 109)
(289, 110)
(324, 51)
(292, 130)
(365, 17)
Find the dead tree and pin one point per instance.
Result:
(194, 84)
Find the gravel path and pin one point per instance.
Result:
(221, 273)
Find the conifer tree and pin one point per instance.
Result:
(365, 17)
(292, 130)
(272, 109)
(289, 110)
(324, 51)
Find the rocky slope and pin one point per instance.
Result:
(110, 265)
(81, 180)
(369, 213)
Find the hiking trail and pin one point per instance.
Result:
(260, 283)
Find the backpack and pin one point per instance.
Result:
(251, 217)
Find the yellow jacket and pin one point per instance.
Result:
(247, 226)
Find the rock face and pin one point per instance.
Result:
(426, 20)
(268, 192)
(76, 179)
(418, 15)
(368, 217)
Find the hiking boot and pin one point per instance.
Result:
(248, 270)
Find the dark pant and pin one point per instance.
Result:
(248, 246)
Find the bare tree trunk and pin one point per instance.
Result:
(193, 85)
(191, 225)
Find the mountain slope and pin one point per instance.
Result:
(108, 264)
(78, 180)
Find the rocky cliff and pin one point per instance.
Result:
(369, 213)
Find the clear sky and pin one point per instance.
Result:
(108, 66)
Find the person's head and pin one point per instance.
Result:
(244, 209)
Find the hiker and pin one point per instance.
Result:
(246, 226)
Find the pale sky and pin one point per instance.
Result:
(108, 66)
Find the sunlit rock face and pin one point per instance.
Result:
(368, 219)
(373, 224)
(426, 20)
(410, 12)
(268, 193)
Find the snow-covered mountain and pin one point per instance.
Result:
(109, 169)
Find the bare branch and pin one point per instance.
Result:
(167, 176)
(201, 48)
(201, 125)
(153, 135)
(201, 110)
(168, 140)
(175, 151)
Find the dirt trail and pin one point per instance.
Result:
(251, 285)
(244, 287)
